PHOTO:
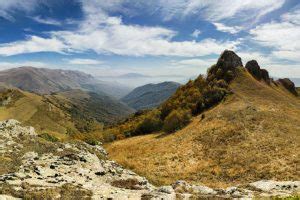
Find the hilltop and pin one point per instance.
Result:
(47, 81)
(150, 95)
(244, 127)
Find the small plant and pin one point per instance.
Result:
(49, 137)
(91, 141)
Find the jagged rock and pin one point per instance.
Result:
(229, 60)
(289, 85)
(225, 67)
(269, 185)
(258, 73)
(254, 69)
(265, 75)
(166, 189)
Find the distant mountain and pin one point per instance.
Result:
(47, 81)
(133, 75)
(69, 112)
(102, 108)
(150, 95)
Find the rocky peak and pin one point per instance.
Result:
(225, 67)
(289, 85)
(254, 69)
(229, 60)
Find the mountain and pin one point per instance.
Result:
(64, 113)
(244, 127)
(150, 95)
(47, 81)
(133, 75)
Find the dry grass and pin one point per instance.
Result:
(252, 135)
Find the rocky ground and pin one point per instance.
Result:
(33, 168)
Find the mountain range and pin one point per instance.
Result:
(47, 81)
(150, 95)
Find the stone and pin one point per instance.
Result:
(229, 60)
(289, 85)
(166, 189)
(254, 69)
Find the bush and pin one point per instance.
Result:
(109, 135)
(151, 123)
(49, 137)
(176, 120)
(91, 141)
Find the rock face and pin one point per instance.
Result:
(258, 73)
(229, 60)
(77, 170)
(289, 85)
(225, 67)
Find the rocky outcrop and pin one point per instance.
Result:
(229, 60)
(225, 67)
(258, 73)
(289, 85)
(76, 170)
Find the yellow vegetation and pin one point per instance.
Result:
(254, 134)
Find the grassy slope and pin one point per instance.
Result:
(31, 109)
(252, 135)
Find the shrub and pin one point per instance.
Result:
(91, 141)
(176, 120)
(109, 135)
(151, 123)
(49, 137)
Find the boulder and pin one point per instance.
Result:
(254, 69)
(229, 61)
(289, 85)
(265, 75)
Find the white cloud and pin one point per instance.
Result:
(195, 63)
(196, 33)
(79, 61)
(283, 37)
(32, 44)
(227, 29)
(8, 7)
(109, 35)
(47, 21)
(216, 10)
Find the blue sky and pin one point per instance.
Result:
(158, 37)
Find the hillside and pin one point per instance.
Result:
(69, 112)
(33, 167)
(47, 81)
(251, 134)
(150, 95)
(99, 107)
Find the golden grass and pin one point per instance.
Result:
(254, 134)
(33, 110)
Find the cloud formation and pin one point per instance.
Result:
(283, 37)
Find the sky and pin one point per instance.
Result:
(157, 38)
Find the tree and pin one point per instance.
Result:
(176, 120)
